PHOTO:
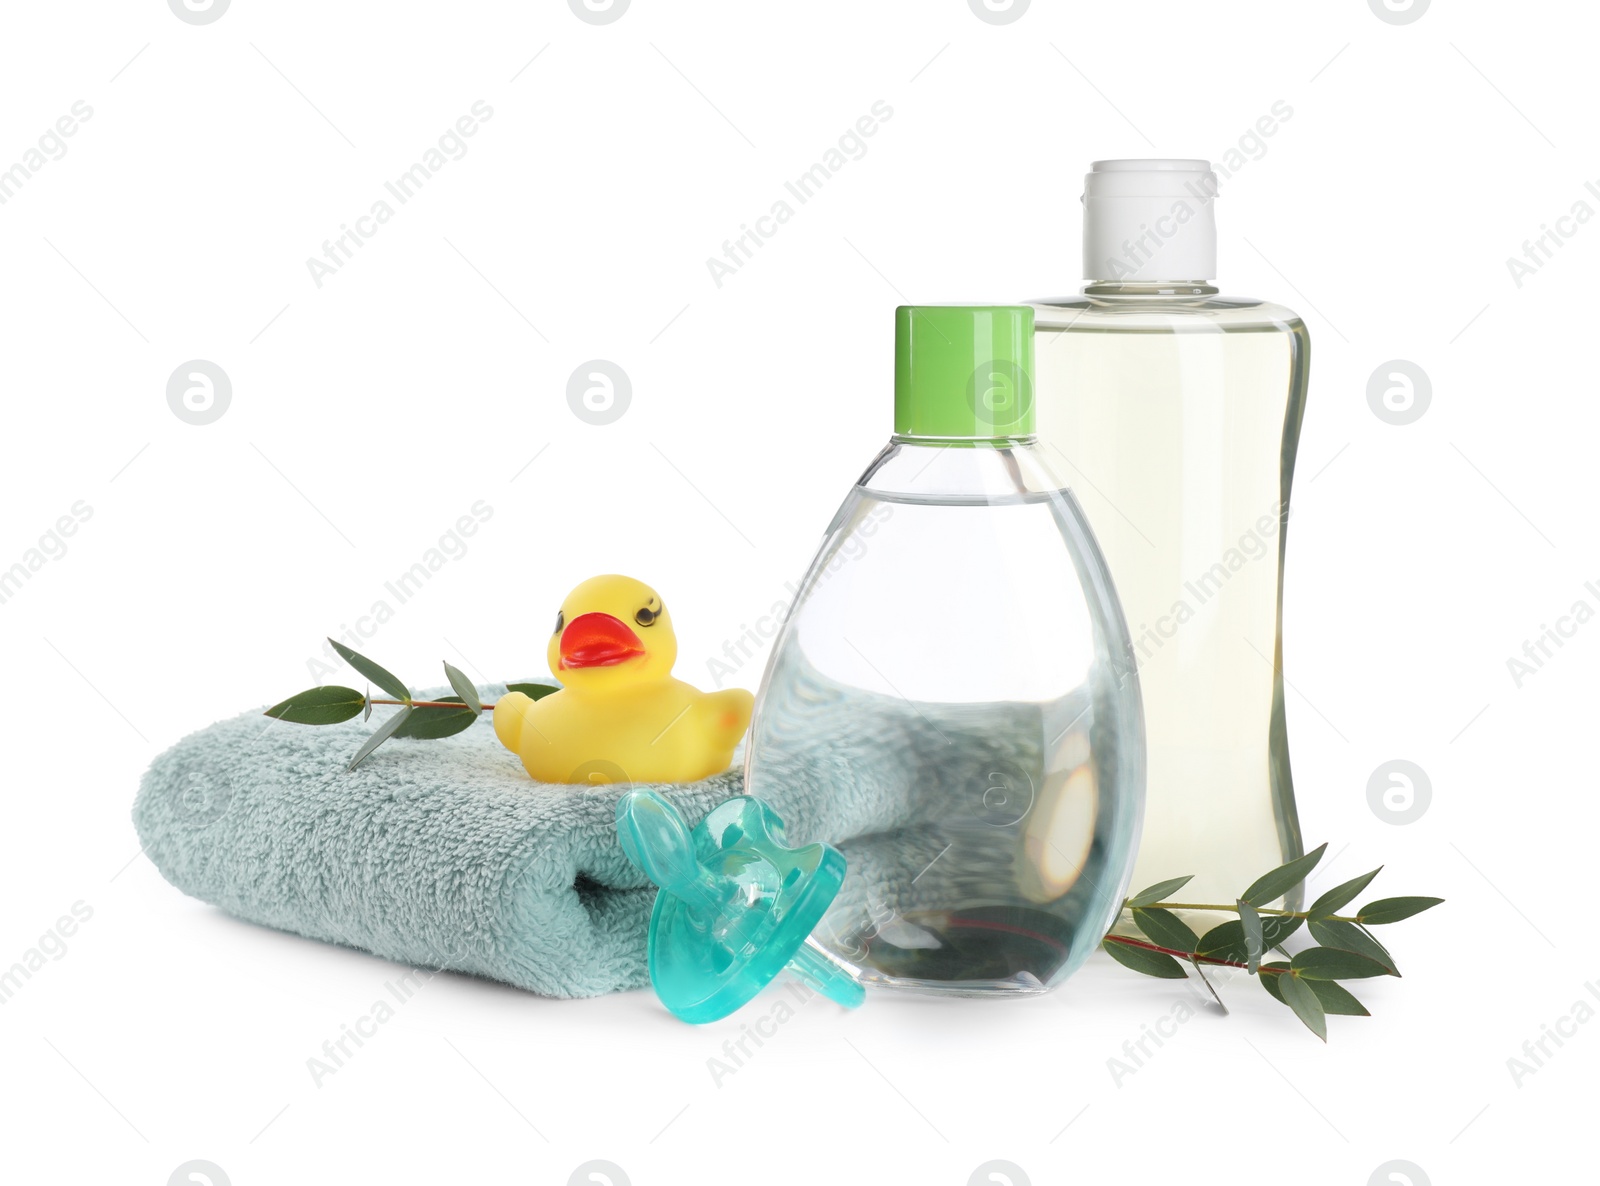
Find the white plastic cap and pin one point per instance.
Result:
(1146, 220)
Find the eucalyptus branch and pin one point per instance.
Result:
(1307, 982)
(420, 719)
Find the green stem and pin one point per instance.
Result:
(1235, 910)
(432, 704)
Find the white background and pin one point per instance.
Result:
(430, 372)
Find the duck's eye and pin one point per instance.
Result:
(648, 615)
(561, 621)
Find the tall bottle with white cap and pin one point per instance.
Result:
(1174, 412)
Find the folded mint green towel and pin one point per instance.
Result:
(439, 854)
(445, 854)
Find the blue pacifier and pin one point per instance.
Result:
(736, 904)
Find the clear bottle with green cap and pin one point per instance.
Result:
(956, 672)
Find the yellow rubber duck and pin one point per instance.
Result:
(620, 716)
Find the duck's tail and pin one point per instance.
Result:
(509, 712)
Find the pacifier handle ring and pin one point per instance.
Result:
(656, 839)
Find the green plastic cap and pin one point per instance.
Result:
(963, 372)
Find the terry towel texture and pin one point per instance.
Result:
(439, 854)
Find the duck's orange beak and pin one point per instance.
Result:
(598, 640)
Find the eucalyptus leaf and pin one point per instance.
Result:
(384, 732)
(1270, 982)
(1283, 879)
(464, 688)
(1254, 943)
(1222, 940)
(431, 723)
(1347, 936)
(1329, 963)
(1158, 891)
(1341, 895)
(319, 706)
(1165, 928)
(1142, 959)
(1225, 941)
(1386, 910)
(385, 679)
(1200, 971)
(1307, 1006)
(1336, 998)
(533, 691)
